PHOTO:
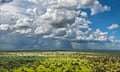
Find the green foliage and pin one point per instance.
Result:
(58, 62)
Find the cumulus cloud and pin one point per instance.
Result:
(97, 7)
(94, 6)
(113, 26)
(4, 27)
(48, 23)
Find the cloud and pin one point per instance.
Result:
(60, 32)
(23, 23)
(113, 26)
(24, 31)
(48, 23)
(97, 7)
(43, 30)
(93, 5)
(4, 27)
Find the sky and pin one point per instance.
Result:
(107, 18)
(59, 24)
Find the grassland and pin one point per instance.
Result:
(60, 61)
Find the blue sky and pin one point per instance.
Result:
(57, 24)
(105, 19)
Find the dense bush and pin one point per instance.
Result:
(59, 62)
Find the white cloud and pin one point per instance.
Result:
(113, 26)
(4, 27)
(43, 30)
(83, 14)
(99, 35)
(24, 31)
(94, 6)
(60, 32)
(97, 7)
(111, 38)
(47, 21)
(23, 23)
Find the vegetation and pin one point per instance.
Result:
(59, 62)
